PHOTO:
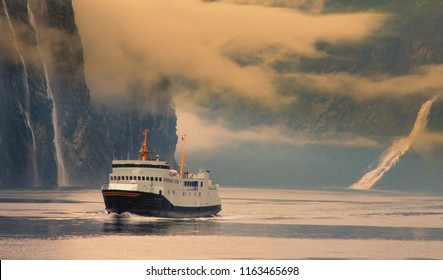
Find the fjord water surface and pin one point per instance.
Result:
(255, 223)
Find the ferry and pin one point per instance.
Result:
(149, 187)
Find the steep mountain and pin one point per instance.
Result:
(371, 89)
(50, 132)
(350, 102)
(411, 38)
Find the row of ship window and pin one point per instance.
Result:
(139, 178)
(155, 179)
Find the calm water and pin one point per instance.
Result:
(255, 223)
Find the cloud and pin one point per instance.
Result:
(16, 35)
(205, 135)
(141, 40)
(311, 6)
(427, 142)
(426, 81)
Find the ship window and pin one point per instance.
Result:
(130, 178)
(126, 177)
(160, 192)
(139, 178)
(201, 184)
(118, 178)
(143, 178)
(152, 178)
(160, 179)
(156, 179)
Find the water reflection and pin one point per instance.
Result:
(161, 227)
(14, 227)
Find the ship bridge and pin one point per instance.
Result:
(140, 164)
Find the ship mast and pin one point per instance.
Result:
(144, 147)
(182, 164)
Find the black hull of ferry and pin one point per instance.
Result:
(153, 205)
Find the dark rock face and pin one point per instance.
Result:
(26, 131)
(50, 132)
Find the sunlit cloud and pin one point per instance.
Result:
(426, 81)
(144, 39)
(427, 142)
(203, 135)
(312, 6)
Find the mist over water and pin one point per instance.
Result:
(393, 154)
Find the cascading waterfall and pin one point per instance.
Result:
(398, 148)
(62, 178)
(26, 108)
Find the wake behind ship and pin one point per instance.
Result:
(149, 187)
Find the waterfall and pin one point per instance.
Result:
(62, 178)
(26, 108)
(392, 155)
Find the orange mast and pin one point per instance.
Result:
(182, 164)
(144, 147)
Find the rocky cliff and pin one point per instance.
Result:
(353, 100)
(50, 132)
